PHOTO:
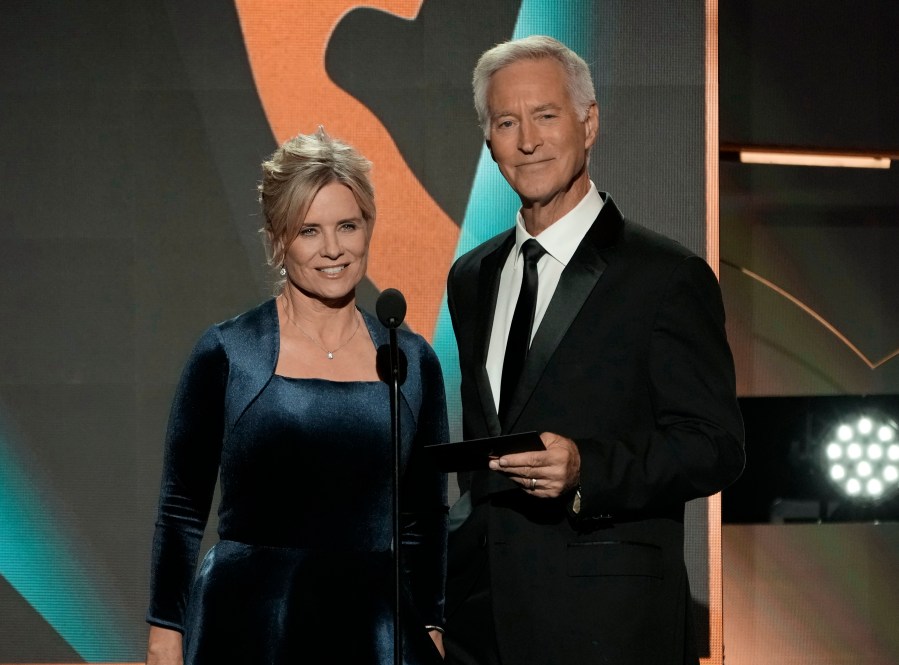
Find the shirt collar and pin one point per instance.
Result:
(561, 238)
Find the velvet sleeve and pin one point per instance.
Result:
(423, 506)
(190, 466)
(694, 445)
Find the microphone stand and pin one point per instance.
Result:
(395, 436)
(391, 309)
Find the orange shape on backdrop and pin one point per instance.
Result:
(414, 239)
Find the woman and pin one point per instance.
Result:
(286, 403)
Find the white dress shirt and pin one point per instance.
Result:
(560, 240)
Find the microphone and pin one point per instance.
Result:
(391, 308)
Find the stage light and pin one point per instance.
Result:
(858, 460)
(818, 459)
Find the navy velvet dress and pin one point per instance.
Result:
(302, 572)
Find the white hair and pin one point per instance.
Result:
(536, 47)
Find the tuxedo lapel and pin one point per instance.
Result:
(575, 285)
(488, 288)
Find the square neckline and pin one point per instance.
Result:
(371, 338)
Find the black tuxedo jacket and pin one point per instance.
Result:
(631, 362)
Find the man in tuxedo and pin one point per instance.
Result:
(608, 340)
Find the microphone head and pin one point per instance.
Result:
(391, 308)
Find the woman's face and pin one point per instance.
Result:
(329, 256)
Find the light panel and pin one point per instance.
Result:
(859, 459)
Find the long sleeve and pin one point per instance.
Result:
(190, 466)
(694, 447)
(423, 505)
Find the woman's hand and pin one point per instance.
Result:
(437, 636)
(164, 647)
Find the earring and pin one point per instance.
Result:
(283, 271)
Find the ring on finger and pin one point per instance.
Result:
(533, 484)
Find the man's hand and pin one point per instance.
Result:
(547, 473)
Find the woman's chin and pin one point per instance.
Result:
(335, 296)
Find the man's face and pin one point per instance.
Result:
(536, 136)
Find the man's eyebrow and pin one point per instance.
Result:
(546, 106)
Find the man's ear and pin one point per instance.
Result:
(591, 125)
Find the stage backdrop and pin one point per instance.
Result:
(132, 136)
(811, 286)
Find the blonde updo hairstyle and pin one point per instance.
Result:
(293, 176)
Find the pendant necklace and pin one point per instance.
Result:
(330, 352)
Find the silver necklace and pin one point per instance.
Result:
(330, 352)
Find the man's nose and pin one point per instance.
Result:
(528, 137)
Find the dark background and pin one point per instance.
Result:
(809, 577)
(817, 75)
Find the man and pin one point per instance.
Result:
(617, 356)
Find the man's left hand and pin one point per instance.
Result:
(547, 473)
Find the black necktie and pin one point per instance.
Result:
(520, 331)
